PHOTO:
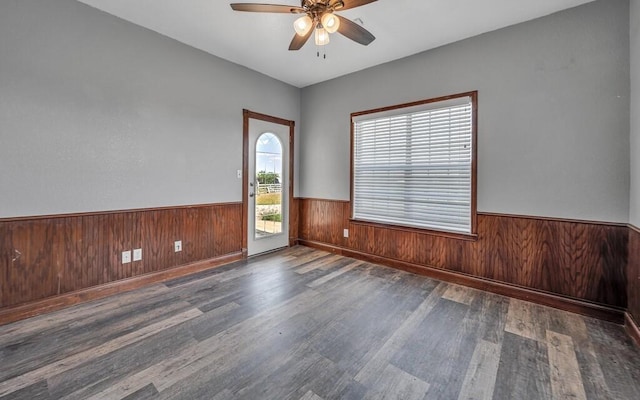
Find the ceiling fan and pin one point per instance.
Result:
(319, 18)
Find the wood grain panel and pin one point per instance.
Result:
(633, 272)
(294, 221)
(227, 230)
(575, 259)
(159, 228)
(45, 257)
(323, 220)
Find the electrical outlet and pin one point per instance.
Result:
(177, 245)
(126, 257)
(137, 254)
(345, 233)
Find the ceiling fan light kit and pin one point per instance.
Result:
(330, 22)
(319, 17)
(303, 25)
(322, 36)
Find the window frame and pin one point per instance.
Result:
(474, 170)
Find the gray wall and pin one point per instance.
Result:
(634, 202)
(99, 114)
(553, 113)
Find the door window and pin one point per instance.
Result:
(268, 186)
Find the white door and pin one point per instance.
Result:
(268, 222)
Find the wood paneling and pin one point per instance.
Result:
(633, 288)
(294, 221)
(49, 256)
(585, 261)
(323, 220)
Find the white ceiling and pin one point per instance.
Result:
(260, 41)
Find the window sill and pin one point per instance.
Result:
(470, 237)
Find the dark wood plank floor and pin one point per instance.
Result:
(305, 324)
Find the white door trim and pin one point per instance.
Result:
(247, 116)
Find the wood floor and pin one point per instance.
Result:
(305, 324)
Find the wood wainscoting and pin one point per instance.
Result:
(576, 265)
(633, 288)
(45, 257)
(294, 225)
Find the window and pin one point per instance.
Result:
(414, 164)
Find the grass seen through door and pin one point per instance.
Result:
(269, 199)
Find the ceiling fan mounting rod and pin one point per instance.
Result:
(316, 9)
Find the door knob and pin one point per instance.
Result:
(251, 194)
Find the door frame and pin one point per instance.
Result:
(246, 116)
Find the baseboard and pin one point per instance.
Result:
(322, 246)
(577, 306)
(23, 311)
(632, 328)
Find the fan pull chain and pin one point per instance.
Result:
(324, 53)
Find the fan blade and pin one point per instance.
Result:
(354, 31)
(299, 41)
(351, 3)
(267, 8)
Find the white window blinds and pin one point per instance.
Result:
(412, 166)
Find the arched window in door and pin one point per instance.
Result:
(269, 217)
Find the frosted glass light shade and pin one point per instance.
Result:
(322, 37)
(330, 22)
(303, 25)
